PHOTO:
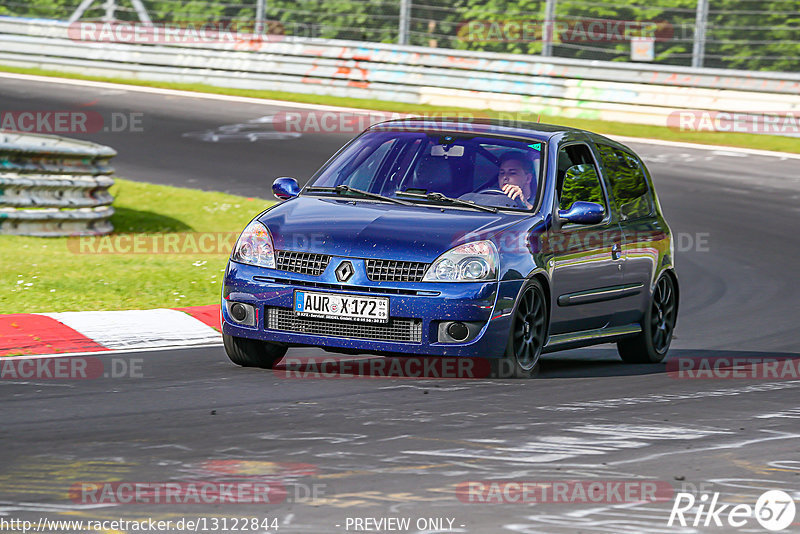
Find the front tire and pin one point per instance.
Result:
(528, 335)
(252, 352)
(652, 343)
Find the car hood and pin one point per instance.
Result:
(365, 229)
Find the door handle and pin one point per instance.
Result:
(616, 251)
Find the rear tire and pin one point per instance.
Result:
(652, 343)
(527, 336)
(252, 352)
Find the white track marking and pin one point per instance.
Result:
(666, 398)
(601, 440)
(182, 94)
(734, 445)
(728, 149)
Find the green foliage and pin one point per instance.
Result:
(581, 183)
(340, 19)
(755, 34)
(742, 34)
(628, 182)
(510, 26)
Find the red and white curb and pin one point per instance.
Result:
(96, 331)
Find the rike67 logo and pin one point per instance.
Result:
(774, 510)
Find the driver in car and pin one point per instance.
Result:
(516, 178)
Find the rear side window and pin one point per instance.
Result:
(625, 173)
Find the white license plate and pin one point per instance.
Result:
(337, 306)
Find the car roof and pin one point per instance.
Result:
(515, 128)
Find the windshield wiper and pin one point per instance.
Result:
(442, 198)
(339, 189)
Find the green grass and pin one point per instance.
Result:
(53, 274)
(762, 142)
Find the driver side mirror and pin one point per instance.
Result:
(285, 188)
(583, 213)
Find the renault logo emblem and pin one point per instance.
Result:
(344, 271)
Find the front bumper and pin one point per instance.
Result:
(487, 304)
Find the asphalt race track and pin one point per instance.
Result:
(349, 449)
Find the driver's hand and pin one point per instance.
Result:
(515, 192)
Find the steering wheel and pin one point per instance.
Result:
(518, 200)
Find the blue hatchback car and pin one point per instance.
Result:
(451, 238)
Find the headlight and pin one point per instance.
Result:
(254, 246)
(471, 262)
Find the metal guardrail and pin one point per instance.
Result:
(624, 92)
(52, 186)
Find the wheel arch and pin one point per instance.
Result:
(543, 279)
(540, 276)
(674, 277)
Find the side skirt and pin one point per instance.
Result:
(590, 337)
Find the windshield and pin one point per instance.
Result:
(489, 171)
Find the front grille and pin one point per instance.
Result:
(404, 330)
(301, 262)
(341, 287)
(395, 271)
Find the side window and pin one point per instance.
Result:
(628, 183)
(577, 178)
